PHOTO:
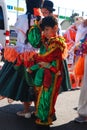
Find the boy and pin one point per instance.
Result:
(49, 71)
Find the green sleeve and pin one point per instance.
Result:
(34, 67)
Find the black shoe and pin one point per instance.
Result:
(33, 116)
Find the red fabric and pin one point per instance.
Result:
(47, 78)
(53, 69)
(58, 83)
(50, 56)
(70, 36)
(28, 63)
(57, 86)
(19, 61)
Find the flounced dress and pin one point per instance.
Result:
(15, 82)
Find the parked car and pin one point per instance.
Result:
(13, 35)
(4, 27)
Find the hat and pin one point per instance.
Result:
(48, 5)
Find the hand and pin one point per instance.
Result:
(43, 64)
(28, 70)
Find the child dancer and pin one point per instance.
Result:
(49, 71)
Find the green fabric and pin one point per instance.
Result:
(53, 63)
(34, 36)
(47, 97)
(16, 84)
(16, 67)
(42, 49)
(27, 76)
(45, 101)
(34, 67)
(66, 85)
(39, 77)
(44, 105)
(5, 70)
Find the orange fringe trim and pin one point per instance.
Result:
(10, 54)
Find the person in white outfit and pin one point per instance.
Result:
(82, 105)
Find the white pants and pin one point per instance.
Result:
(82, 107)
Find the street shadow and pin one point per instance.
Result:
(71, 126)
(10, 121)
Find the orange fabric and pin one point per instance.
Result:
(10, 54)
(73, 80)
(65, 53)
(79, 67)
(72, 34)
(26, 58)
(70, 37)
(37, 12)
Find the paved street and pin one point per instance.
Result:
(65, 110)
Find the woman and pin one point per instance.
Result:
(15, 82)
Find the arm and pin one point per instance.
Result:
(49, 56)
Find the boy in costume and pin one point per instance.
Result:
(49, 71)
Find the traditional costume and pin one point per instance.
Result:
(15, 82)
(48, 78)
(82, 38)
(70, 41)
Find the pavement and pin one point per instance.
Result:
(66, 111)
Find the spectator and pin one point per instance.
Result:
(82, 106)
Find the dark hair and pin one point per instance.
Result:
(48, 5)
(49, 21)
(31, 4)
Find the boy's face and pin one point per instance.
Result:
(50, 32)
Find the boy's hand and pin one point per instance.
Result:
(43, 64)
(28, 70)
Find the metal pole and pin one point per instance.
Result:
(17, 7)
(58, 13)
